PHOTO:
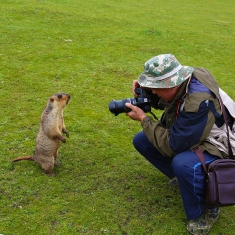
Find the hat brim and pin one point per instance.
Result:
(172, 81)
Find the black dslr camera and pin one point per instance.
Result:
(143, 101)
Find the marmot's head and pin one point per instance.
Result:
(59, 100)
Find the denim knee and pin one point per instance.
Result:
(139, 140)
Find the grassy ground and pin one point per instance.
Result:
(93, 50)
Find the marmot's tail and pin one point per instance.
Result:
(23, 158)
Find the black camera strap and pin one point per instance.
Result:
(154, 116)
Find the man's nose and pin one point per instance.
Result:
(154, 91)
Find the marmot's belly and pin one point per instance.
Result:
(47, 147)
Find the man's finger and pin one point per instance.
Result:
(129, 105)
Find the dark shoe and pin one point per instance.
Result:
(174, 182)
(203, 224)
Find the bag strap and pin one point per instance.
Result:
(230, 152)
(200, 155)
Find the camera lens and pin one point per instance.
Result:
(118, 106)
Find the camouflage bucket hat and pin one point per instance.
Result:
(164, 71)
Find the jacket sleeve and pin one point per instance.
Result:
(189, 129)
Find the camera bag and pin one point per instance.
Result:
(219, 175)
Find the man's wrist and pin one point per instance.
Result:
(142, 117)
(146, 118)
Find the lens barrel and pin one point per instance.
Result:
(118, 106)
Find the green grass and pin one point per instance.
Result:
(93, 50)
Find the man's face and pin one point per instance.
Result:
(166, 94)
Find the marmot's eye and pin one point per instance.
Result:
(59, 96)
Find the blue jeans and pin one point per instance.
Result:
(186, 166)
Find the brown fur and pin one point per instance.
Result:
(50, 133)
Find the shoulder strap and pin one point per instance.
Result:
(200, 155)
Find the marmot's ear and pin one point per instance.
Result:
(51, 100)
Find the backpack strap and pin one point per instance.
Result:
(230, 152)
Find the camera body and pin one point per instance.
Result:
(143, 101)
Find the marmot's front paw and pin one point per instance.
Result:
(66, 132)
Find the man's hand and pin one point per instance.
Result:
(136, 113)
(135, 85)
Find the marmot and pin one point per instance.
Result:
(50, 133)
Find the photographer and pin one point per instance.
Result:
(191, 110)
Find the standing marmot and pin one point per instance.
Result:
(50, 133)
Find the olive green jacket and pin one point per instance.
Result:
(158, 132)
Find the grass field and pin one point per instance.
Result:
(93, 50)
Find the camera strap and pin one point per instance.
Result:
(154, 116)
